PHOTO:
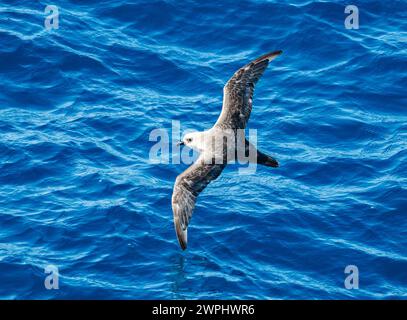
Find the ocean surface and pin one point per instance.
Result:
(79, 191)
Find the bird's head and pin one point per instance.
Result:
(194, 140)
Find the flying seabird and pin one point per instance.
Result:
(236, 109)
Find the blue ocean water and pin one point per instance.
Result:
(78, 190)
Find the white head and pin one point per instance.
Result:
(194, 140)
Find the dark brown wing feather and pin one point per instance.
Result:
(187, 187)
(238, 93)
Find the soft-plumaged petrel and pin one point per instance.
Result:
(214, 156)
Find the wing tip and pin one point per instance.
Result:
(269, 56)
(181, 235)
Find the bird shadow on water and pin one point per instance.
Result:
(191, 276)
(177, 276)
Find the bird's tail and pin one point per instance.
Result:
(266, 160)
(261, 158)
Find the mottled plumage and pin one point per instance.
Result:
(187, 187)
(238, 93)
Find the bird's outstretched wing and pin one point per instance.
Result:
(187, 187)
(238, 93)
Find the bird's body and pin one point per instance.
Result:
(223, 143)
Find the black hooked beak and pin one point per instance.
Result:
(181, 143)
